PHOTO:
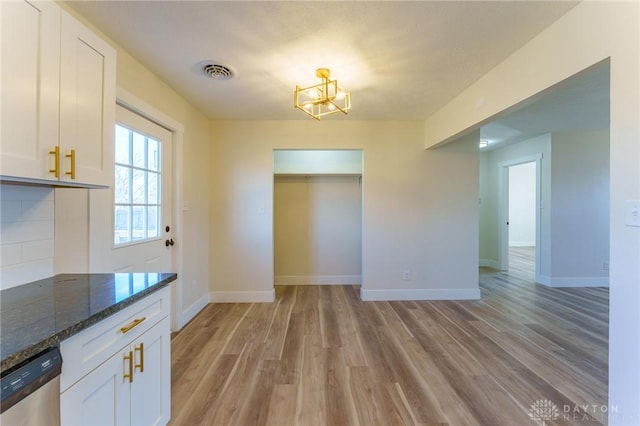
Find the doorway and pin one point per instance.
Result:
(317, 217)
(519, 200)
(521, 218)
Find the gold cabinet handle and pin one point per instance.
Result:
(56, 165)
(132, 324)
(72, 156)
(129, 375)
(141, 350)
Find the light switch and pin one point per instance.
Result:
(632, 213)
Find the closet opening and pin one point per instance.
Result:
(317, 217)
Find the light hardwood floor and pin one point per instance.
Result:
(320, 356)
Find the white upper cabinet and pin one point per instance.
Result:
(58, 97)
(30, 90)
(87, 104)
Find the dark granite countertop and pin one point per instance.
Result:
(40, 314)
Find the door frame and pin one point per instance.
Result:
(503, 209)
(142, 108)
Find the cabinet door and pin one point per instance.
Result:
(29, 87)
(100, 398)
(151, 387)
(87, 104)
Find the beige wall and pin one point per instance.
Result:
(579, 207)
(317, 229)
(420, 208)
(587, 34)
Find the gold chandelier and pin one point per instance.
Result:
(323, 98)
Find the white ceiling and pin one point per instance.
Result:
(400, 60)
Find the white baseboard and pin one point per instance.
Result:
(522, 244)
(490, 263)
(573, 281)
(317, 279)
(193, 310)
(242, 296)
(420, 294)
(544, 280)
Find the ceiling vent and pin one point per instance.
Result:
(218, 72)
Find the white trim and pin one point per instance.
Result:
(242, 296)
(137, 105)
(144, 109)
(490, 263)
(544, 280)
(318, 279)
(522, 244)
(560, 282)
(188, 314)
(420, 294)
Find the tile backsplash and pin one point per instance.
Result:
(26, 234)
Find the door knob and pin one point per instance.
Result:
(169, 242)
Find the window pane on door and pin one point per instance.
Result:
(153, 182)
(152, 221)
(121, 187)
(139, 154)
(122, 224)
(138, 221)
(138, 193)
(153, 155)
(123, 147)
(138, 173)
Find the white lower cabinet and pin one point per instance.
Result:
(100, 398)
(150, 403)
(131, 387)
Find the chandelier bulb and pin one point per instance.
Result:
(313, 94)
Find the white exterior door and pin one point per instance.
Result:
(131, 224)
(141, 196)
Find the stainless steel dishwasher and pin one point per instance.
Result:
(31, 391)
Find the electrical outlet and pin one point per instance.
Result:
(605, 265)
(406, 275)
(632, 213)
